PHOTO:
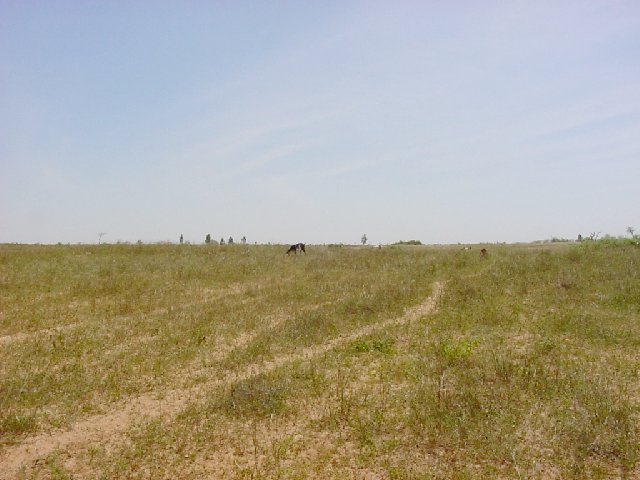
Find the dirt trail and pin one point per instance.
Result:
(17, 337)
(109, 428)
(207, 296)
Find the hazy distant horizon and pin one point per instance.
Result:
(216, 242)
(461, 122)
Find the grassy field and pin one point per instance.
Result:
(187, 362)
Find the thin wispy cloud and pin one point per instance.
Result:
(221, 118)
(281, 153)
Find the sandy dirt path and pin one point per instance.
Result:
(110, 428)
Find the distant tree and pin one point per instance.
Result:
(181, 239)
(408, 242)
(207, 240)
(631, 231)
(364, 239)
(579, 237)
(230, 241)
(100, 235)
(221, 241)
(244, 240)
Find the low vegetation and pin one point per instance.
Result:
(236, 361)
(408, 242)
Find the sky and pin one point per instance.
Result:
(318, 121)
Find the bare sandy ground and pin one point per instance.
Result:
(109, 429)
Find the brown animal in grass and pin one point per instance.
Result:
(297, 248)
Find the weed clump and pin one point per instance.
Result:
(259, 396)
(13, 425)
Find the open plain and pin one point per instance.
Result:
(237, 361)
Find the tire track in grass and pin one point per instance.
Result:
(207, 296)
(91, 431)
(20, 336)
(409, 315)
(110, 428)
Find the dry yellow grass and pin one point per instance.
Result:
(240, 362)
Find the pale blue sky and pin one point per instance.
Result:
(463, 121)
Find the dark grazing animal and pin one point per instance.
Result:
(484, 252)
(298, 247)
